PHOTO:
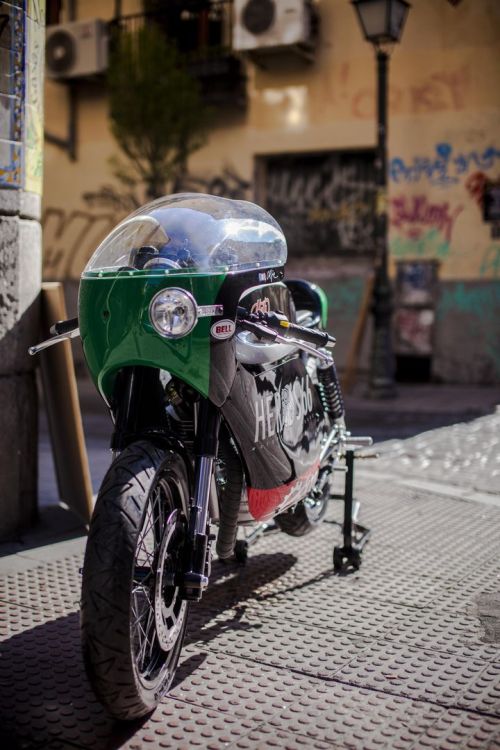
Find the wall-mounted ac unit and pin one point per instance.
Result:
(75, 50)
(267, 25)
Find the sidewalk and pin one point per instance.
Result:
(404, 654)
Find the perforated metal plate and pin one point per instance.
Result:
(282, 653)
(358, 718)
(458, 729)
(179, 725)
(53, 588)
(269, 737)
(238, 686)
(427, 675)
(282, 643)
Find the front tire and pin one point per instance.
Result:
(133, 618)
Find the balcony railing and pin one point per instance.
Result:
(202, 32)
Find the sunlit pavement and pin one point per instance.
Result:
(282, 653)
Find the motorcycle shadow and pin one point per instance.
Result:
(45, 697)
(44, 693)
(231, 587)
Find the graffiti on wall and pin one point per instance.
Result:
(430, 244)
(421, 225)
(344, 297)
(413, 214)
(475, 185)
(108, 198)
(445, 167)
(440, 91)
(324, 202)
(424, 228)
(70, 237)
(227, 184)
(470, 299)
(470, 310)
(413, 330)
(490, 264)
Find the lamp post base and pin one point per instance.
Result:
(381, 382)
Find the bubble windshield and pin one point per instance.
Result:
(192, 233)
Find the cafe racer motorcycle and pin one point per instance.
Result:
(227, 415)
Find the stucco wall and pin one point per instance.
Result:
(444, 141)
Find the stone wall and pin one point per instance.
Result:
(21, 143)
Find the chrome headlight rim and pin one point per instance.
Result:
(190, 299)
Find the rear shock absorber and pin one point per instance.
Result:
(329, 389)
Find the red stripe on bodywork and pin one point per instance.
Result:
(263, 503)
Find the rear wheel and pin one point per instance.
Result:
(304, 517)
(133, 618)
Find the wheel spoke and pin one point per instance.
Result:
(141, 657)
(141, 575)
(145, 538)
(150, 646)
(159, 516)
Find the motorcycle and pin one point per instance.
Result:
(228, 417)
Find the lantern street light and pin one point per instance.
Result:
(382, 23)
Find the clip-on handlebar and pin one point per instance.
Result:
(275, 327)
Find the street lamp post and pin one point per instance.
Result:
(382, 23)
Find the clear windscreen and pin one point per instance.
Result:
(191, 232)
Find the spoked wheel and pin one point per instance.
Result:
(133, 617)
(158, 612)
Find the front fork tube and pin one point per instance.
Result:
(197, 553)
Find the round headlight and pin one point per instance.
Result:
(173, 313)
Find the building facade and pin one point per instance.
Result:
(296, 132)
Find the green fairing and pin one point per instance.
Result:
(116, 330)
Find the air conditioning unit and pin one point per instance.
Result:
(75, 50)
(269, 25)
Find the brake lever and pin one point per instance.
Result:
(74, 333)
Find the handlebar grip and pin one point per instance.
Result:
(310, 335)
(64, 326)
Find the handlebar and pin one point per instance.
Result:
(64, 327)
(60, 331)
(272, 325)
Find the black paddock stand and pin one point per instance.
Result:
(347, 558)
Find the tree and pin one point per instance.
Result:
(157, 116)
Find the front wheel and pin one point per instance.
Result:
(133, 618)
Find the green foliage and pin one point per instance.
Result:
(156, 113)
